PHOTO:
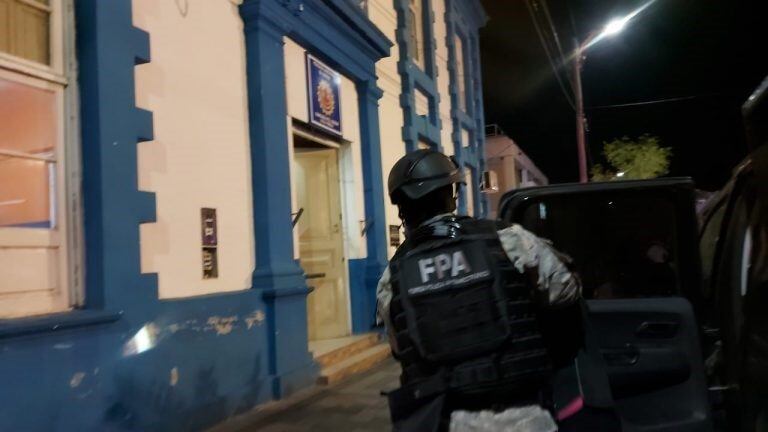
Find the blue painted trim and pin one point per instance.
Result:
(464, 18)
(418, 127)
(276, 271)
(361, 24)
(337, 34)
(260, 352)
(108, 46)
(272, 293)
(121, 390)
(373, 184)
(10, 328)
(479, 121)
(358, 296)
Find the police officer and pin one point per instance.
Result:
(464, 302)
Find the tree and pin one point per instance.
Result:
(628, 159)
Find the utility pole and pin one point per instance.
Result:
(581, 138)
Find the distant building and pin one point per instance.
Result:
(513, 168)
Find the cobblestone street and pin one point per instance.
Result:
(354, 405)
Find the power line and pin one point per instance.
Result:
(547, 51)
(554, 32)
(549, 54)
(651, 102)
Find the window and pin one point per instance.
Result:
(34, 95)
(461, 72)
(422, 103)
(25, 29)
(624, 245)
(416, 35)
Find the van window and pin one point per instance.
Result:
(624, 245)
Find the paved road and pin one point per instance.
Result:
(354, 405)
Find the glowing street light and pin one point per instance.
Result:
(614, 27)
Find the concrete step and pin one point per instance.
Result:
(356, 363)
(347, 350)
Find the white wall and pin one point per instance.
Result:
(195, 86)
(350, 160)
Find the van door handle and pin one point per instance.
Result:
(657, 329)
(627, 355)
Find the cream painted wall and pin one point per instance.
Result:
(350, 157)
(195, 86)
(351, 165)
(383, 14)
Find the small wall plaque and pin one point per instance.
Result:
(210, 243)
(208, 222)
(394, 235)
(210, 263)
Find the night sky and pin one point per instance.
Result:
(715, 50)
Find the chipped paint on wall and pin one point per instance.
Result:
(256, 318)
(222, 325)
(174, 376)
(76, 379)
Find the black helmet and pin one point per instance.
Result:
(421, 172)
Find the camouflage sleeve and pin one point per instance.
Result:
(529, 252)
(383, 297)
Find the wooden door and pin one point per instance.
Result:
(320, 241)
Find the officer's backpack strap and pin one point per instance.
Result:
(592, 368)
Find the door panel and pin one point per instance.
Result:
(653, 360)
(320, 241)
(634, 245)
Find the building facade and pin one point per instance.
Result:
(192, 192)
(512, 167)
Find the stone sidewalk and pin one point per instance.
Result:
(353, 405)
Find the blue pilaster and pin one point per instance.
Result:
(463, 18)
(368, 97)
(479, 120)
(108, 48)
(277, 274)
(415, 80)
(338, 33)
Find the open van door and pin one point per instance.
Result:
(634, 244)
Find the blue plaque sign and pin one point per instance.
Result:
(324, 88)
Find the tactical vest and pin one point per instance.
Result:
(461, 312)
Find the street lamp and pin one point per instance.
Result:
(613, 27)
